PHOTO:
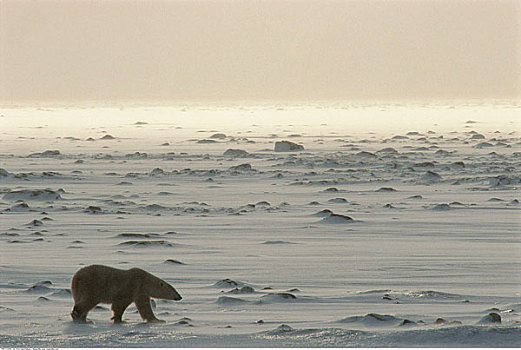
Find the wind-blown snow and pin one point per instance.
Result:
(393, 226)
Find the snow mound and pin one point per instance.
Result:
(230, 301)
(418, 196)
(34, 195)
(155, 207)
(157, 172)
(35, 222)
(283, 328)
(323, 213)
(278, 298)
(287, 146)
(5, 173)
(483, 145)
(159, 243)
(277, 242)
(385, 189)
(441, 207)
(19, 207)
(235, 153)
(490, 318)
(39, 288)
(504, 180)
(45, 154)
(137, 235)
(206, 141)
(242, 167)
(365, 154)
(243, 290)
(173, 262)
(218, 136)
(227, 283)
(432, 294)
(62, 293)
(387, 150)
(331, 189)
(337, 219)
(373, 320)
(92, 209)
(338, 200)
(477, 137)
(431, 176)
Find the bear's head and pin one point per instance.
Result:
(157, 288)
(163, 290)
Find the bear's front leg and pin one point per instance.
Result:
(145, 310)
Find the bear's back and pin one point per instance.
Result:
(101, 282)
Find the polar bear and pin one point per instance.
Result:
(96, 284)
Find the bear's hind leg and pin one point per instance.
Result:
(145, 310)
(118, 308)
(80, 311)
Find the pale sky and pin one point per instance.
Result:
(259, 50)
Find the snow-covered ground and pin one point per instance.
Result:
(395, 226)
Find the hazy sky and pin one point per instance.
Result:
(259, 50)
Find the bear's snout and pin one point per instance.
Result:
(177, 296)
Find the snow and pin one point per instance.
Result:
(262, 251)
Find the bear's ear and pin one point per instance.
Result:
(161, 284)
